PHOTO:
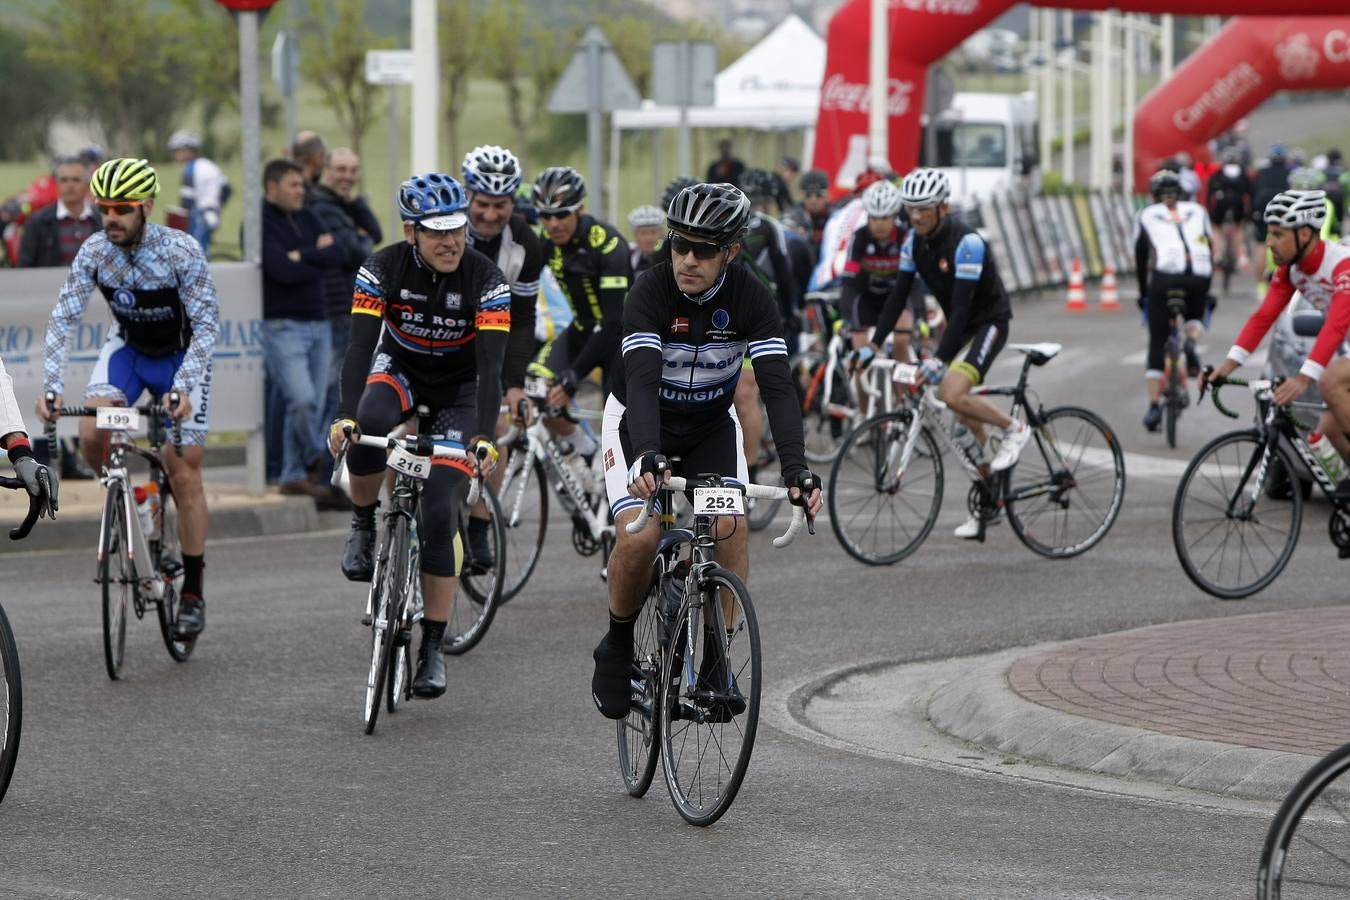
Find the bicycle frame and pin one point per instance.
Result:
(542, 447)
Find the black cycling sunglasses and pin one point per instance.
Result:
(682, 246)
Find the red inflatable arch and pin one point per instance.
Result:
(924, 31)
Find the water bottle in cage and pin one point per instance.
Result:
(965, 438)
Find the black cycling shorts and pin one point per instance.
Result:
(979, 354)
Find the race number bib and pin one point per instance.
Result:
(536, 386)
(117, 418)
(904, 373)
(719, 501)
(410, 464)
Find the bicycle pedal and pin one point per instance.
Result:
(365, 620)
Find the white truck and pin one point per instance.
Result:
(985, 143)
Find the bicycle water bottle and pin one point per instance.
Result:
(415, 568)
(147, 508)
(670, 595)
(1327, 456)
(966, 439)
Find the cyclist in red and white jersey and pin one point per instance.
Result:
(1320, 271)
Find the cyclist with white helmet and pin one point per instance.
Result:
(492, 175)
(1320, 271)
(873, 267)
(204, 190)
(440, 313)
(1178, 235)
(649, 228)
(957, 266)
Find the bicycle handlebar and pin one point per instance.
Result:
(1257, 386)
(34, 508)
(151, 410)
(390, 441)
(757, 491)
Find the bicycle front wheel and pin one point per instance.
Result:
(1232, 539)
(480, 588)
(117, 578)
(523, 497)
(885, 489)
(386, 589)
(639, 747)
(1066, 490)
(1172, 412)
(170, 566)
(1307, 850)
(710, 698)
(11, 703)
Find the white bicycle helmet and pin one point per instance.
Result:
(492, 170)
(1298, 209)
(647, 217)
(184, 140)
(925, 187)
(882, 200)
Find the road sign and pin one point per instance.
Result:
(684, 73)
(572, 92)
(286, 63)
(389, 67)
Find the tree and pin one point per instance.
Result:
(333, 56)
(209, 29)
(460, 43)
(29, 113)
(504, 60)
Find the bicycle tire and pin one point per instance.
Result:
(169, 564)
(115, 576)
(1232, 469)
(1172, 412)
(1307, 851)
(1059, 473)
(390, 574)
(399, 682)
(862, 487)
(701, 798)
(639, 733)
(11, 703)
(823, 432)
(476, 601)
(525, 539)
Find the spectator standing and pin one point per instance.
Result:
(310, 153)
(726, 168)
(788, 172)
(297, 341)
(53, 235)
(204, 189)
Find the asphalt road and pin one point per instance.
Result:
(245, 772)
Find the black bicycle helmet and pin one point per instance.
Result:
(677, 184)
(814, 181)
(717, 213)
(559, 188)
(758, 184)
(1165, 181)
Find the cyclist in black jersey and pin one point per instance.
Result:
(815, 206)
(872, 269)
(441, 314)
(955, 263)
(491, 176)
(687, 325)
(589, 260)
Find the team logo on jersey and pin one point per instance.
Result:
(721, 319)
(609, 460)
(942, 264)
(123, 298)
(453, 300)
(597, 236)
(679, 326)
(406, 294)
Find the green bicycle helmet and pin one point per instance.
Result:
(124, 179)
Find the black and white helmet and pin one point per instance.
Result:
(716, 213)
(646, 217)
(758, 184)
(1298, 209)
(882, 200)
(677, 184)
(492, 170)
(925, 187)
(1165, 181)
(559, 189)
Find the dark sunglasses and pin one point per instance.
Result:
(682, 246)
(555, 213)
(124, 208)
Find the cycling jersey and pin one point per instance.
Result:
(1323, 278)
(593, 272)
(1180, 240)
(161, 297)
(764, 250)
(958, 268)
(686, 356)
(1229, 194)
(430, 324)
(519, 254)
(869, 275)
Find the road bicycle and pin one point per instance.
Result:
(1061, 498)
(828, 405)
(696, 657)
(1231, 536)
(394, 602)
(140, 561)
(1176, 395)
(11, 682)
(1306, 853)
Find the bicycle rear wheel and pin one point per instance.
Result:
(1066, 490)
(1231, 538)
(116, 576)
(170, 566)
(476, 601)
(879, 512)
(11, 703)
(1307, 850)
(639, 742)
(710, 698)
(523, 497)
(1172, 410)
(390, 575)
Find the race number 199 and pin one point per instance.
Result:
(117, 418)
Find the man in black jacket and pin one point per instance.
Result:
(53, 235)
(296, 338)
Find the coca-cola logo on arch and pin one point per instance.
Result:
(842, 95)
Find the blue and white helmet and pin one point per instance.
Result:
(492, 170)
(434, 201)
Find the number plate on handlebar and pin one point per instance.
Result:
(905, 373)
(536, 386)
(719, 501)
(117, 418)
(410, 464)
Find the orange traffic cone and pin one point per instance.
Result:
(1110, 296)
(1076, 301)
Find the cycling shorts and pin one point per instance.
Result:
(979, 354)
(123, 374)
(718, 447)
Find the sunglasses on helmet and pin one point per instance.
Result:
(118, 207)
(682, 246)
